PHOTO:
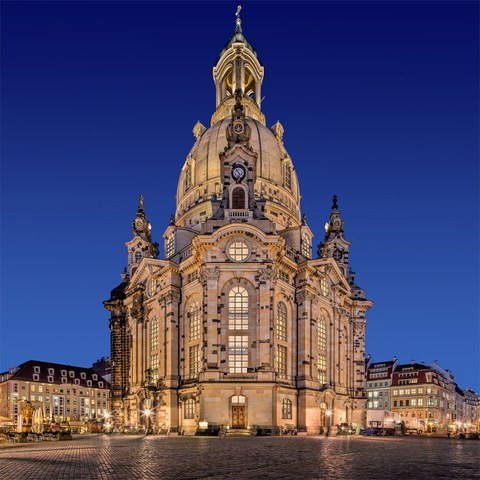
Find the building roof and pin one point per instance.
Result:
(86, 375)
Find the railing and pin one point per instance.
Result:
(239, 213)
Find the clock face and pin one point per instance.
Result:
(337, 255)
(138, 223)
(238, 172)
(337, 223)
(238, 127)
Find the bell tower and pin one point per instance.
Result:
(238, 69)
(334, 244)
(141, 245)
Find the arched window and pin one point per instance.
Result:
(238, 198)
(188, 177)
(282, 321)
(189, 409)
(306, 245)
(288, 177)
(322, 351)
(138, 256)
(238, 400)
(281, 360)
(238, 309)
(286, 408)
(194, 321)
(170, 245)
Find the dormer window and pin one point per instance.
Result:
(77, 381)
(100, 384)
(50, 371)
(83, 375)
(36, 377)
(64, 379)
(170, 245)
(50, 379)
(94, 376)
(63, 373)
(71, 373)
(36, 369)
(89, 383)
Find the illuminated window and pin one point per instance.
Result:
(170, 245)
(286, 408)
(306, 246)
(288, 176)
(189, 409)
(193, 361)
(152, 287)
(420, 402)
(154, 366)
(237, 353)
(282, 321)
(281, 360)
(154, 334)
(324, 286)
(194, 321)
(188, 177)
(238, 309)
(322, 351)
(238, 251)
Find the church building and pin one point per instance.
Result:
(239, 325)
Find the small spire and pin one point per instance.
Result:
(238, 21)
(141, 207)
(334, 204)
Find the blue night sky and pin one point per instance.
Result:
(379, 101)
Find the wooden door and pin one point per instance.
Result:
(238, 417)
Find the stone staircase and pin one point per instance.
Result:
(238, 432)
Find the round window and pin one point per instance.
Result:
(238, 251)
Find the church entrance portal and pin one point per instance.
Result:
(239, 411)
(238, 417)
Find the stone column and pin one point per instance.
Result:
(211, 322)
(266, 282)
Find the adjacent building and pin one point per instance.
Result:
(425, 398)
(242, 322)
(65, 393)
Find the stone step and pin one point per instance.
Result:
(238, 432)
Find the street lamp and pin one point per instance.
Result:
(328, 413)
(147, 412)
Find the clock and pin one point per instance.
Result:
(337, 223)
(238, 127)
(238, 172)
(138, 223)
(337, 255)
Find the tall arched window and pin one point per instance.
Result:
(170, 245)
(238, 198)
(288, 176)
(306, 246)
(238, 309)
(188, 177)
(322, 351)
(194, 321)
(286, 408)
(282, 321)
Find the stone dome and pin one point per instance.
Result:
(200, 185)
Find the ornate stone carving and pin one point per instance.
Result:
(265, 274)
(210, 273)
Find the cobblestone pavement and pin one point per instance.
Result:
(157, 457)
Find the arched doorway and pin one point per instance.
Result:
(239, 411)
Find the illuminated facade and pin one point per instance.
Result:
(239, 325)
(64, 393)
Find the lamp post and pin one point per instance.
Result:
(147, 412)
(328, 413)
